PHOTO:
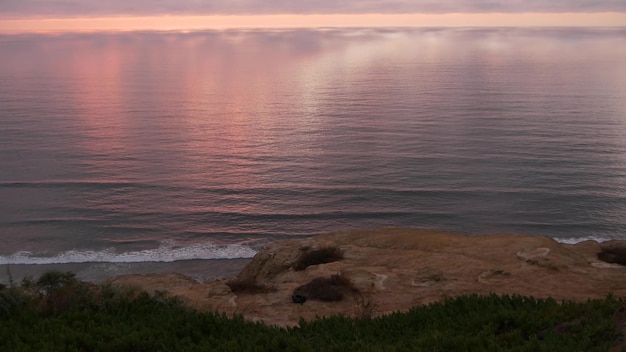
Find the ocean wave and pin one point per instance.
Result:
(165, 253)
(574, 240)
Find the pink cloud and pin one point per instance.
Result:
(21, 8)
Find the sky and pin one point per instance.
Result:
(25, 15)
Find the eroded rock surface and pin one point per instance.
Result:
(396, 269)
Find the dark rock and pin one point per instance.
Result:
(300, 299)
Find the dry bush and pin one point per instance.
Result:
(248, 286)
(331, 289)
(365, 307)
(615, 255)
(318, 256)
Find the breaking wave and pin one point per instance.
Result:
(165, 253)
(574, 240)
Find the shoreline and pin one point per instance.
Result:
(200, 270)
(390, 269)
(397, 269)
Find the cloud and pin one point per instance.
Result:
(19, 8)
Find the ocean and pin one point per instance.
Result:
(143, 152)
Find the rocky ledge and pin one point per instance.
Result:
(387, 270)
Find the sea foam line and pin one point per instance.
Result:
(574, 240)
(165, 253)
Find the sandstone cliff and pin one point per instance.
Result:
(395, 269)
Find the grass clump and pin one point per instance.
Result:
(248, 286)
(318, 256)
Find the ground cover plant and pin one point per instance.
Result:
(59, 313)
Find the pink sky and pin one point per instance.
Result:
(115, 15)
(188, 22)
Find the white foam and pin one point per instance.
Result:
(167, 252)
(574, 240)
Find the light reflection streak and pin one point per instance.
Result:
(254, 95)
(98, 96)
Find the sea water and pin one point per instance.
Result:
(189, 152)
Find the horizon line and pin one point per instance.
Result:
(294, 21)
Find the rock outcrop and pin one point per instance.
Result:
(396, 269)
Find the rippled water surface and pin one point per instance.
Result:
(161, 147)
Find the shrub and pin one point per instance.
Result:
(60, 290)
(11, 299)
(248, 286)
(53, 280)
(326, 289)
(27, 283)
(318, 256)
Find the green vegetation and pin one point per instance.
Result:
(318, 256)
(59, 313)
